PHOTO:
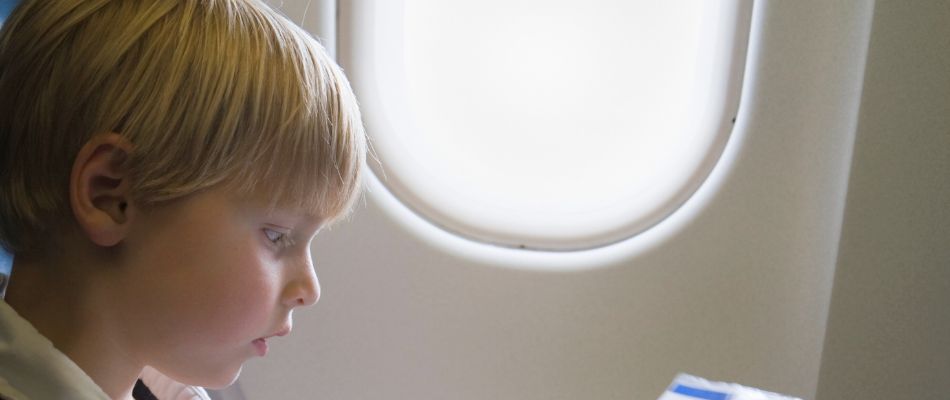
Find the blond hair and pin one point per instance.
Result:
(209, 92)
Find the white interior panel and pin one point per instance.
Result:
(735, 288)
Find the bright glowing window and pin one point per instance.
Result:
(545, 124)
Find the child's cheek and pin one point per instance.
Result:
(241, 307)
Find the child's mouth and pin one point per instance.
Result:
(260, 345)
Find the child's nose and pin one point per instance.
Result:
(304, 287)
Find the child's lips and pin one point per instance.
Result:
(260, 345)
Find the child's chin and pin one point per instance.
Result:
(211, 378)
(222, 380)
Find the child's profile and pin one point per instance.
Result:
(164, 166)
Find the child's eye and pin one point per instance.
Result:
(278, 238)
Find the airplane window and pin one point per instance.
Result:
(541, 124)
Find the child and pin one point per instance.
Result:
(164, 166)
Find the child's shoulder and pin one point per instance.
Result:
(32, 368)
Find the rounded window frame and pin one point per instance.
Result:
(420, 220)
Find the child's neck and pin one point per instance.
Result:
(58, 302)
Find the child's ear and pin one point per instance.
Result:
(99, 189)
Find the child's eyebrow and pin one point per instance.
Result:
(298, 220)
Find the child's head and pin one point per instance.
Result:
(186, 151)
(208, 93)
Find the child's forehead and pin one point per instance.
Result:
(280, 210)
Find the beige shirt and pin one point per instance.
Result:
(32, 369)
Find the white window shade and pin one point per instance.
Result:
(553, 125)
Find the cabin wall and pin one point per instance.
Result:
(735, 285)
(889, 327)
